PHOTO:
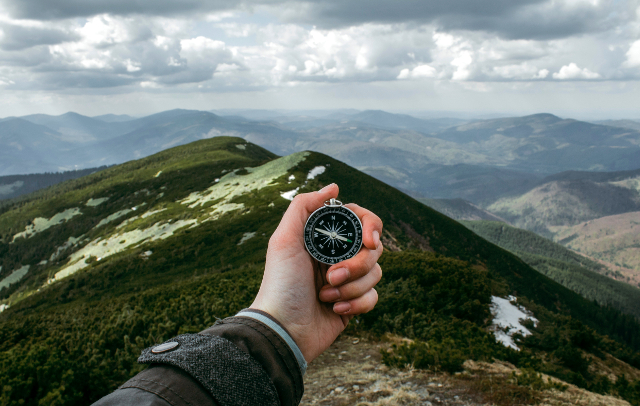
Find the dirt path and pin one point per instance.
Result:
(350, 373)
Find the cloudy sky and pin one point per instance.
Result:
(576, 58)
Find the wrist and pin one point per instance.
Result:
(274, 324)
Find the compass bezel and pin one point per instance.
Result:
(309, 231)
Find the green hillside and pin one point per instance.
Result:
(571, 270)
(97, 268)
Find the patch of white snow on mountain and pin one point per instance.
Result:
(507, 319)
(290, 194)
(96, 202)
(318, 170)
(151, 213)
(245, 237)
(3, 307)
(158, 174)
(241, 146)
(71, 241)
(116, 243)
(233, 185)
(113, 217)
(40, 224)
(14, 277)
(292, 177)
(220, 209)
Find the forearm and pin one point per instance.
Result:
(238, 361)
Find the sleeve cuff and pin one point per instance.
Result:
(270, 322)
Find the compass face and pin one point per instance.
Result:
(333, 234)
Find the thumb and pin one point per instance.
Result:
(291, 227)
(305, 204)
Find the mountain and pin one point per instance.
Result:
(574, 271)
(460, 209)
(17, 185)
(96, 268)
(614, 239)
(114, 118)
(629, 124)
(548, 144)
(570, 198)
(80, 129)
(402, 121)
(28, 147)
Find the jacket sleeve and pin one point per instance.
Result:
(248, 359)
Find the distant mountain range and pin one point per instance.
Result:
(479, 161)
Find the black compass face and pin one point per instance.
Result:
(333, 234)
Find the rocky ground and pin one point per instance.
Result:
(350, 373)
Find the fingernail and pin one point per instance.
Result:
(338, 276)
(329, 295)
(342, 307)
(376, 238)
(326, 187)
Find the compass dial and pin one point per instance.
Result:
(333, 234)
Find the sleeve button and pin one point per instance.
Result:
(165, 347)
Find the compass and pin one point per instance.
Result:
(333, 233)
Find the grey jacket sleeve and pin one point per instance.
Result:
(238, 361)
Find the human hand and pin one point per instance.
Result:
(315, 302)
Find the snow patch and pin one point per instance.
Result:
(68, 244)
(14, 277)
(116, 243)
(318, 170)
(96, 202)
(241, 146)
(233, 185)
(151, 213)
(221, 209)
(290, 194)
(113, 217)
(506, 320)
(3, 307)
(158, 174)
(245, 237)
(291, 178)
(40, 224)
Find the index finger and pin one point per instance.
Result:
(371, 226)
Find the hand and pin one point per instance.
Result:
(314, 302)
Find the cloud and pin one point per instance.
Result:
(420, 71)
(633, 55)
(14, 37)
(573, 72)
(539, 19)
(62, 9)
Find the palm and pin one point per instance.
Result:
(299, 279)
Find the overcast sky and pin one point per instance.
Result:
(576, 58)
